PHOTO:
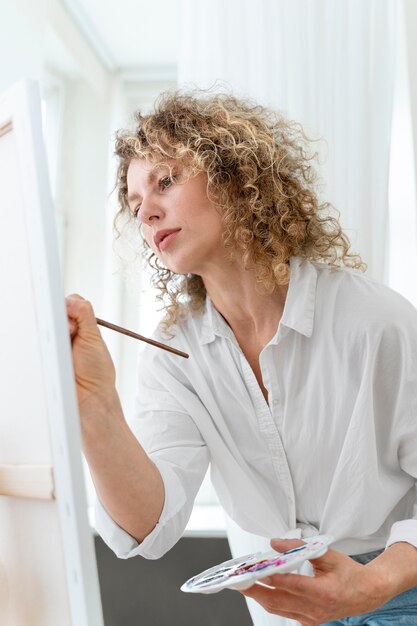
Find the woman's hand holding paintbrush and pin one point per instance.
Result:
(92, 361)
(127, 482)
(94, 371)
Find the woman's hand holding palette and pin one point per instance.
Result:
(242, 573)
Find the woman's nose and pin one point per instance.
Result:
(149, 211)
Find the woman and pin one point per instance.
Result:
(300, 389)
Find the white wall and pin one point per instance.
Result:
(23, 25)
(42, 41)
(82, 185)
(39, 40)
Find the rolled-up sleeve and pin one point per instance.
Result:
(169, 435)
(406, 531)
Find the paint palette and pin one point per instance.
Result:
(242, 573)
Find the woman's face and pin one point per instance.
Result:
(181, 225)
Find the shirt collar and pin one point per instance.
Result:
(300, 302)
(298, 311)
(213, 324)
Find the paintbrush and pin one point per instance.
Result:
(129, 333)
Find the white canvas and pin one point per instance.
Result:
(48, 573)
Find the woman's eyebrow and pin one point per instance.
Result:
(134, 195)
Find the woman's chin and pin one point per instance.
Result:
(180, 266)
(180, 270)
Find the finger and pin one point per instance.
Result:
(75, 296)
(265, 581)
(282, 545)
(72, 303)
(81, 318)
(310, 586)
(80, 309)
(277, 602)
(295, 584)
(72, 328)
(327, 562)
(72, 324)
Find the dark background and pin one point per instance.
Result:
(140, 592)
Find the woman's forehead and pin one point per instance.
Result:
(141, 170)
(141, 164)
(144, 170)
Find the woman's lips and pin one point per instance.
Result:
(166, 241)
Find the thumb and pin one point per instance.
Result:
(327, 562)
(283, 545)
(321, 564)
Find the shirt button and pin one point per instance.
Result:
(275, 402)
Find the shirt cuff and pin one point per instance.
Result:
(406, 530)
(153, 546)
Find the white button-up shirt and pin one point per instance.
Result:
(335, 448)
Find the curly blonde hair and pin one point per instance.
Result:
(259, 173)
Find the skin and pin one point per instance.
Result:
(114, 455)
(341, 587)
(159, 203)
(198, 249)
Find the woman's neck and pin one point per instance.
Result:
(236, 296)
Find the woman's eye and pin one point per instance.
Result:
(136, 211)
(166, 182)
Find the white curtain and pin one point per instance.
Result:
(330, 65)
(410, 20)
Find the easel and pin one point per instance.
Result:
(27, 481)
